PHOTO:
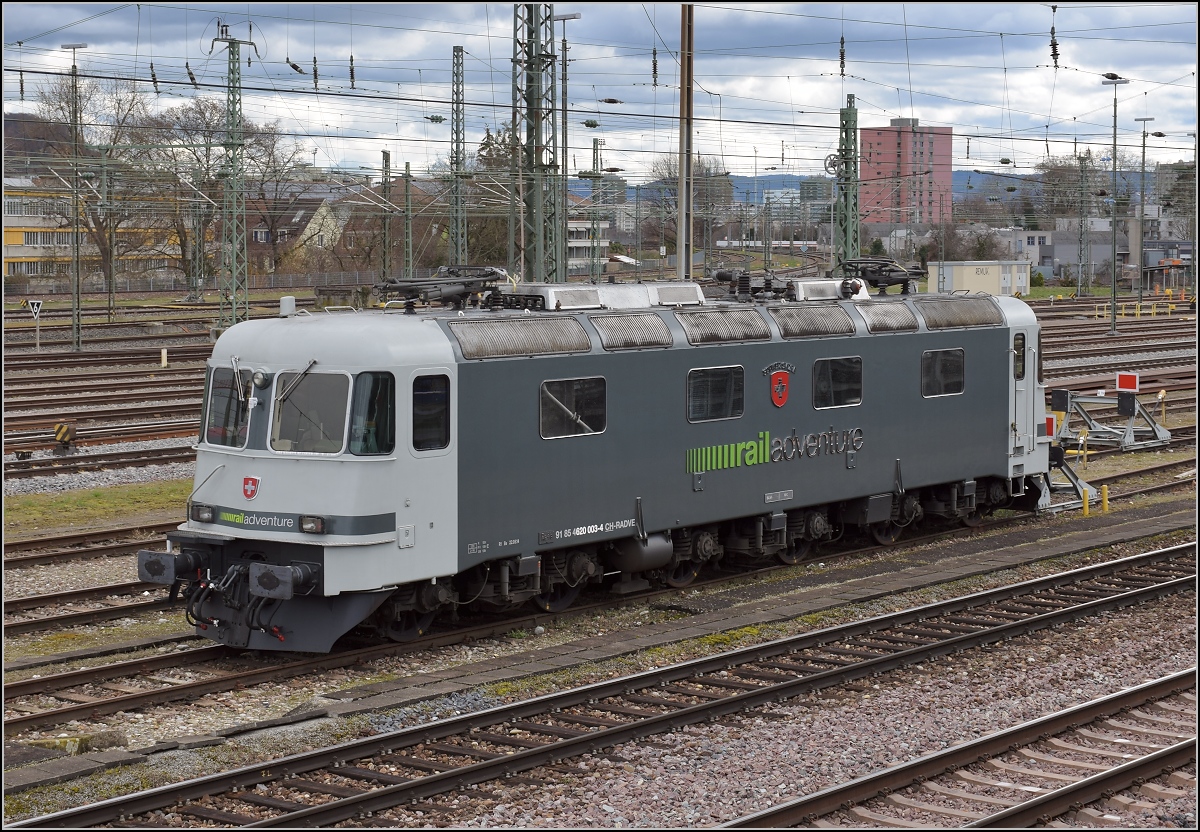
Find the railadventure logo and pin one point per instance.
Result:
(249, 519)
(765, 449)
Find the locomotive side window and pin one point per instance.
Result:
(227, 413)
(716, 393)
(943, 372)
(572, 407)
(1019, 356)
(431, 413)
(837, 382)
(373, 414)
(310, 412)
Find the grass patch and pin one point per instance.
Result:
(152, 502)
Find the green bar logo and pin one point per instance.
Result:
(763, 449)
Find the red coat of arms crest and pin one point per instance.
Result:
(250, 487)
(779, 388)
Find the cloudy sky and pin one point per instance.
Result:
(769, 78)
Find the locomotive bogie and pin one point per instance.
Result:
(387, 467)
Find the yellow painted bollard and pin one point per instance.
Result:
(1104, 499)
(1086, 508)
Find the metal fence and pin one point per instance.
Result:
(174, 282)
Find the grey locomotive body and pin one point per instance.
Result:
(383, 467)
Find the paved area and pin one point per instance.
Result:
(712, 613)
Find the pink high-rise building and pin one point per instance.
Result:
(905, 172)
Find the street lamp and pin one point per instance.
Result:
(76, 277)
(1142, 210)
(564, 247)
(1115, 80)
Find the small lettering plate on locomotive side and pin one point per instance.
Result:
(778, 496)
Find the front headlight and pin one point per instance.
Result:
(311, 524)
(202, 513)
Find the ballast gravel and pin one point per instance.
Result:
(710, 774)
(54, 483)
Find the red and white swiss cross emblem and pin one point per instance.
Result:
(779, 388)
(250, 487)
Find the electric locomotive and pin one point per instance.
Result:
(379, 467)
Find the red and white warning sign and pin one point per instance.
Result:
(1128, 383)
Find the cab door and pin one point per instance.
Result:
(1024, 385)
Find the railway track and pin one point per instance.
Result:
(352, 780)
(87, 435)
(122, 600)
(1077, 756)
(24, 469)
(30, 361)
(212, 680)
(112, 601)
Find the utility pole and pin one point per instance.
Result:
(535, 128)
(1115, 80)
(683, 231)
(844, 166)
(597, 198)
(408, 237)
(564, 155)
(1085, 248)
(385, 188)
(76, 271)
(1141, 257)
(458, 155)
(234, 290)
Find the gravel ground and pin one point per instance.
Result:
(709, 774)
(703, 774)
(101, 479)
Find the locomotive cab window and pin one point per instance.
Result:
(1019, 356)
(943, 372)
(572, 407)
(373, 414)
(310, 412)
(716, 393)
(837, 382)
(431, 413)
(227, 413)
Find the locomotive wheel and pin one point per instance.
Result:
(973, 520)
(886, 533)
(559, 598)
(681, 574)
(410, 626)
(796, 553)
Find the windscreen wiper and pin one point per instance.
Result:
(287, 391)
(237, 379)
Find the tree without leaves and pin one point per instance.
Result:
(123, 208)
(710, 186)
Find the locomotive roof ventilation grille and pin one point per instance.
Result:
(720, 325)
(629, 332)
(947, 314)
(810, 321)
(887, 317)
(520, 336)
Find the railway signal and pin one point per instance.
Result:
(35, 308)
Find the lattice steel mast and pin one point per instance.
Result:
(542, 220)
(458, 156)
(845, 166)
(232, 285)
